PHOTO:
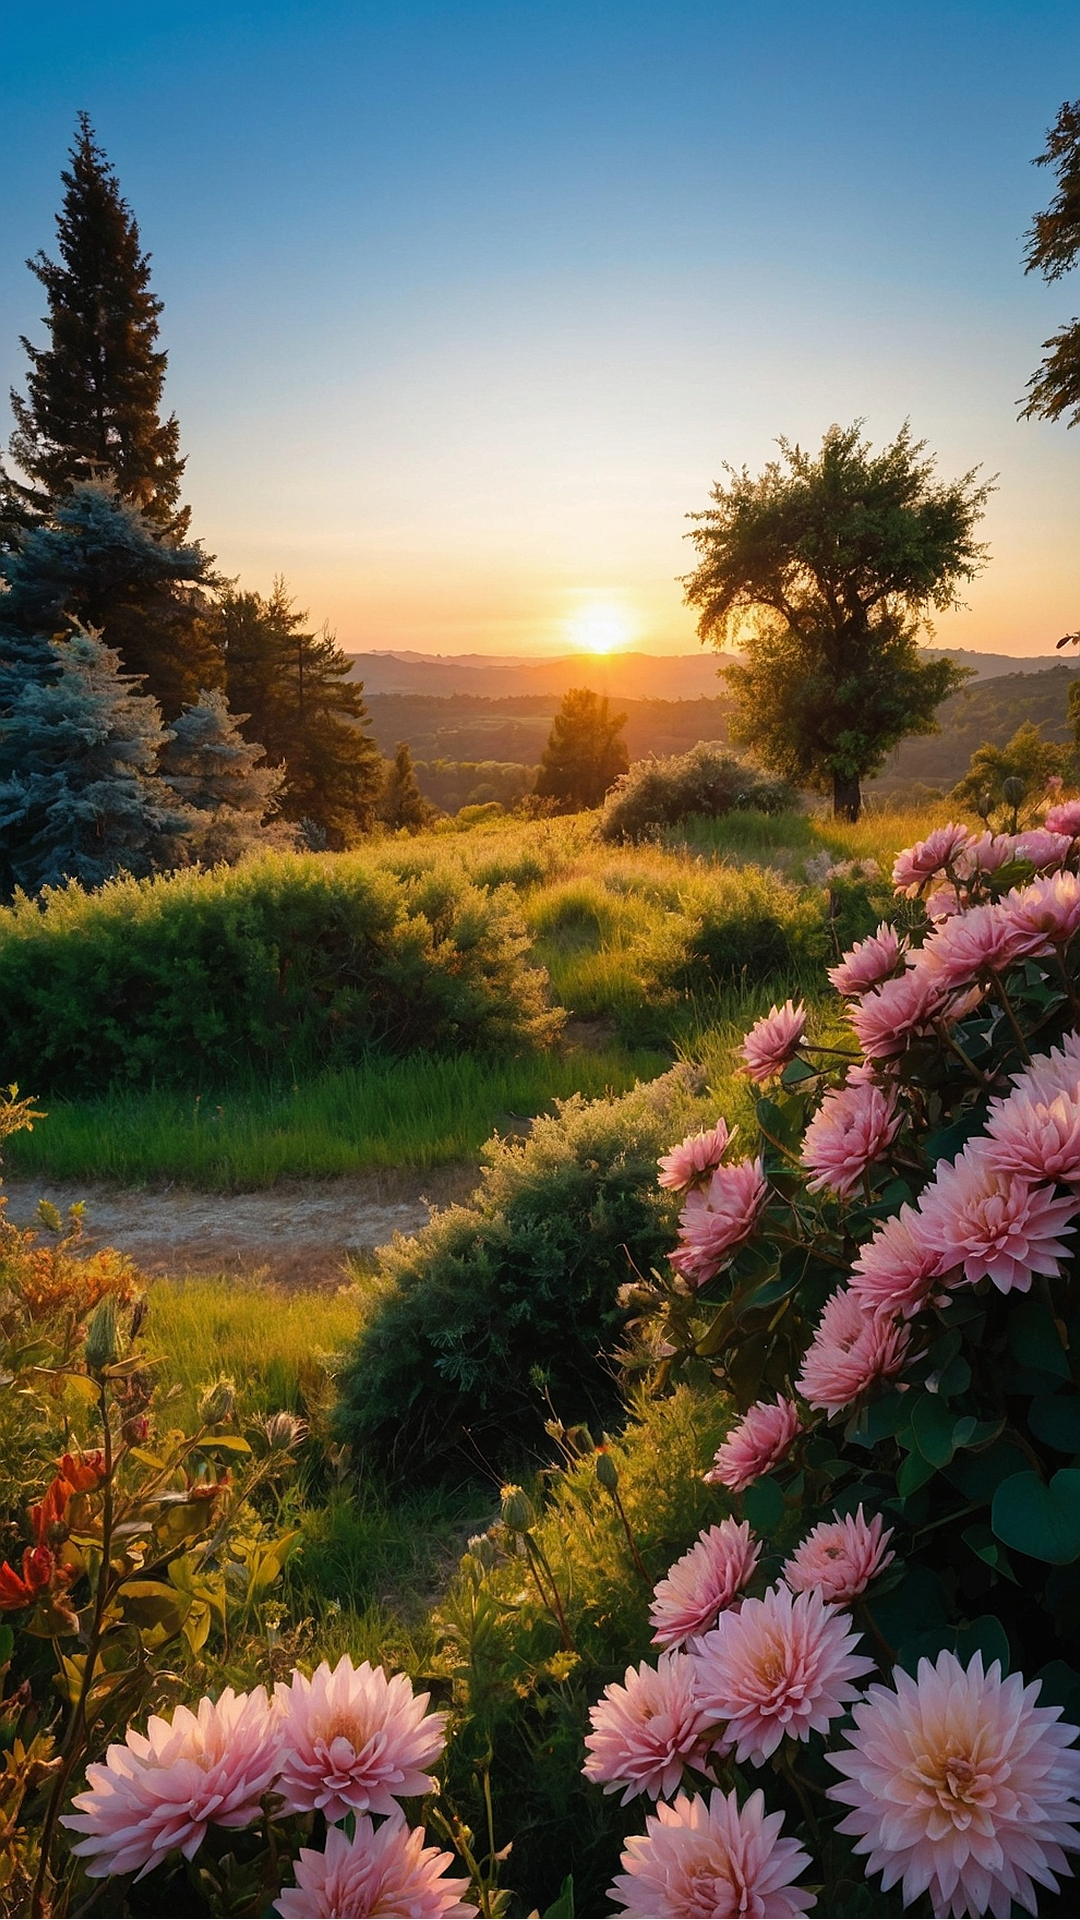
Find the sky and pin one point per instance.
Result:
(467, 305)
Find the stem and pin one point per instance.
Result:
(631, 1542)
(948, 1040)
(865, 1614)
(554, 1605)
(1006, 1006)
(1074, 1002)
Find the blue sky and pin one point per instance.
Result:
(466, 305)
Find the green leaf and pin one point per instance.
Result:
(7, 1645)
(224, 1443)
(1041, 1521)
(1034, 1339)
(562, 1907)
(1055, 1419)
(987, 1636)
(980, 1474)
(880, 1419)
(794, 1074)
(763, 1505)
(1060, 1685)
(982, 1543)
(933, 1425)
(914, 1472)
(149, 1603)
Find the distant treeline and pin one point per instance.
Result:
(987, 711)
(468, 728)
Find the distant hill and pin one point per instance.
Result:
(468, 727)
(986, 710)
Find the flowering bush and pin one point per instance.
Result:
(878, 1640)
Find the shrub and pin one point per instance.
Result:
(707, 780)
(314, 959)
(512, 1298)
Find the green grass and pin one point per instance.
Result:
(277, 1347)
(416, 1112)
(788, 840)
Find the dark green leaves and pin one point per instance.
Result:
(1041, 1521)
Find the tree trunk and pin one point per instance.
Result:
(846, 797)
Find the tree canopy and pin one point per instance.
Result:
(1053, 247)
(824, 568)
(401, 803)
(585, 751)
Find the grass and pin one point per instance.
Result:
(277, 1347)
(788, 840)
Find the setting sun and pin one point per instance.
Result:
(602, 626)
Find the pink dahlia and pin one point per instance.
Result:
(1039, 1139)
(699, 1859)
(885, 1020)
(840, 1558)
(1047, 913)
(961, 1787)
(1065, 818)
(381, 1870)
(774, 1040)
(695, 1156)
(1052, 1073)
(851, 1348)
(994, 1223)
(707, 1579)
(943, 902)
(761, 1440)
(647, 1730)
(896, 1268)
(938, 853)
(869, 962)
(354, 1740)
(853, 1127)
(1043, 848)
(985, 854)
(784, 1664)
(717, 1218)
(982, 940)
(157, 1792)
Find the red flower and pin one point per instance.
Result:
(38, 1567)
(48, 1517)
(84, 1472)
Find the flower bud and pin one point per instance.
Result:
(484, 1550)
(606, 1471)
(217, 1403)
(285, 1431)
(101, 1348)
(518, 1512)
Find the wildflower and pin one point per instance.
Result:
(1065, 818)
(84, 1472)
(48, 1517)
(869, 962)
(961, 1787)
(992, 1223)
(703, 1582)
(38, 1570)
(354, 1740)
(381, 1870)
(158, 1792)
(936, 854)
(645, 1731)
(695, 1156)
(773, 1041)
(840, 1558)
(780, 1665)
(700, 1858)
(762, 1438)
(1039, 1139)
(896, 1268)
(717, 1218)
(851, 1348)
(853, 1127)
(1046, 914)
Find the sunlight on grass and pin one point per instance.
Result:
(277, 1347)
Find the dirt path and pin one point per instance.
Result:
(298, 1232)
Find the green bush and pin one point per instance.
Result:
(500, 1303)
(307, 959)
(707, 780)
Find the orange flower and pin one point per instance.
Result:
(84, 1472)
(38, 1567)
(49, 1516)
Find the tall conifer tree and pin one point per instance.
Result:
(92, 408)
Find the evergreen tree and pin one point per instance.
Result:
(79, 794)
(215, 772)
(1053, 248)
(93, 402)
(97, 561)
(584, 753)
(401, 803)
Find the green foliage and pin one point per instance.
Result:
(215, 772)
(1053, 247)
(707, 781)
(401, 803)
(197, 976)
(584, 753)
(515, 1297)
(984, 711)
(825, 568)
(1027, 757)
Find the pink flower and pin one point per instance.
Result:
(849, 1351)
(1044, 848)
(1046, 914)
(354, 1740)
(984, 939)
(761, 1440)
(1065, 818)
(773, 1041)
(699, 1859)
(382, 1870)
(706, 1580)
(960, 1786)
(943, 902)
(885, 1020)
(1039, 1139)
(647, 1730)
(936, 854)
(870, 962)
(780, 1665)
(157, 1793)
(840, 1558)
(1052, 1073)
(852, 1128)
(698, 1154)
(896, 1268)
(718, 1218)
(994, 1223)
(985, 855)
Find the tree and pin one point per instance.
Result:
(79, 794)
(93, 403)
(1027, 759)
(584, 753)
(215, 772)
(401, 803)
(95, 560)
(1053, 247)
(825, 568)
(304, 709)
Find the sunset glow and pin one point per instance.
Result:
(601, 626)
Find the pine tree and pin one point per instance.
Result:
(79, 794)
(584, 753)
(215, 772)
(98, 561)
(401, 803)
(93, 403)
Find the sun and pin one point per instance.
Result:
(603, 626)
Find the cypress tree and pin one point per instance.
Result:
(585, 752)
(93, 402)
(401, 803)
